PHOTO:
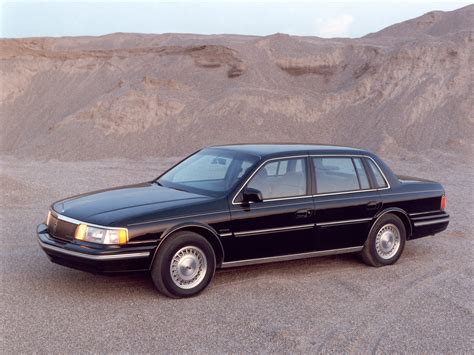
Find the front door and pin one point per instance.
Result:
(283, 222)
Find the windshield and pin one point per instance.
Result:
(211, 171)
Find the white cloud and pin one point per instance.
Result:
(337, 26)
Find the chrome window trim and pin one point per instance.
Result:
(258, 168)
(427, 223)
(345, 192)
(94, 257)
(315, 195)
(352, 156)
(258, 207)
(289, 257)
(286, 198)
(273, 230)
(347, 221)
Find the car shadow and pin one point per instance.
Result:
(288, 268)
(140, 285)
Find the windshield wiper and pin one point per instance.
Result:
(169, 187)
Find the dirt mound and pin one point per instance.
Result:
(434, 23)
(408, 87)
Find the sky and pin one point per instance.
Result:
(36, 18)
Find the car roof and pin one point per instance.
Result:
(266, 150)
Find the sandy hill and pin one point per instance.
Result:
(409, 86)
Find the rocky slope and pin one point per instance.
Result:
(408, 87)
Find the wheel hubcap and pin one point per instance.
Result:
(387, 241)
(188, 267)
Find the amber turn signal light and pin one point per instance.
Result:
(80, 232)
(122, 236)
(443, 202)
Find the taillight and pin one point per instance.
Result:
(443, 202)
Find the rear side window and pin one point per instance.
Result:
(335, 175)
(379, 179)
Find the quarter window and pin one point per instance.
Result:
(379, 179)
(335, 175)
(363, 179)
(281, 178)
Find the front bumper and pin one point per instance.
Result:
(95, 258)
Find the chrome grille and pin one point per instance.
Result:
(60, 229)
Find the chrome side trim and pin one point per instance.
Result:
(411, 192)
(347, 221)
(427, 223)
(144, 254)
(430, 217)
(144, 241)
(273, 259)
(225, 234)
(273, 230)
(421, 213)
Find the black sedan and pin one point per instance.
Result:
(234, 205)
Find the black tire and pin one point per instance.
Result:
(374, 253)
(195, 248)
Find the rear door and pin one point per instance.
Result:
(346, 201)
(283, 222)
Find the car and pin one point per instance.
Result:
(245, 204)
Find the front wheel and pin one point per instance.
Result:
(184, 265)
(385, 242)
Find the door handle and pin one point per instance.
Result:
(304, 213)
(373, 205)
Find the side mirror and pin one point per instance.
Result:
(252, 195)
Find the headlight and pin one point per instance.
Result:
(101, 235)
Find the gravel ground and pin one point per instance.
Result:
(423, 303)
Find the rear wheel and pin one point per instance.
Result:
(184, 265)
(385, 242)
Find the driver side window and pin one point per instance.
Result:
(281, 178)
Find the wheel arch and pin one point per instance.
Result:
(404, 217)
(204, 230)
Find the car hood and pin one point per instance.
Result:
(107, 207)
